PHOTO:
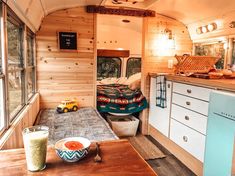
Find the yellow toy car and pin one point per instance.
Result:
(67, 105)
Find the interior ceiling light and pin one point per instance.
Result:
(169, 33)
(126, 21)
(212, 27)
(126, 1)
(199, 30)
(207, 28)
(116, 2)
(204, 29)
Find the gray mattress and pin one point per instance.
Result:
(86, 122)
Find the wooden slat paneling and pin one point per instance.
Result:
(62, 74)
(155, 56)
(156, 59)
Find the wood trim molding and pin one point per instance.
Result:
(113, 53)
(190, 161)
(95, 60)
(116, 11)
(145, 113)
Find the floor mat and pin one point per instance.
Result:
(145, 147)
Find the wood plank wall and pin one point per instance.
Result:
(155, 56)
(13, 137)
(61, 74)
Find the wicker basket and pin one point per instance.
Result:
(195, 64)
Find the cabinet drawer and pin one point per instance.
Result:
(192, 91)
(190, 140)
(189, 118)
(191, 103)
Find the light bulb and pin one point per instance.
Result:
(204, 29)
(210, 27)
(199, 30)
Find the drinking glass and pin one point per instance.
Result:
(35, 144)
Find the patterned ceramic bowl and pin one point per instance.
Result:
(66, 148)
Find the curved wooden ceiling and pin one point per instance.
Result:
(186, 11)
(33, 11)
(192, 11)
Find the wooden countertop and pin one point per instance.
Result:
(118, 158)
(218, 84)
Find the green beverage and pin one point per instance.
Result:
(35, 144)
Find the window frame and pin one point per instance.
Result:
(213, 42)
(129, 60)
(30, 68)
(12, 18)
(2, 105)
(7, 14)
(32, 93)
(233, 52)
(120, 65)
(3, 75)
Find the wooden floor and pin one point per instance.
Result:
(170, 165)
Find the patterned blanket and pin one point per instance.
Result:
(116, 98)
(86, 122)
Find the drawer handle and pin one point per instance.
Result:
(185, 138)
(186, 117)
(168, 85)
(189, 91)
(188, 103)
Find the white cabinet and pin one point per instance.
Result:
(159, 117)
(184, 120)
(190, 140)
(192, 91)
(189, 118)
(193, 104)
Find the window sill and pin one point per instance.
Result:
(8, 132)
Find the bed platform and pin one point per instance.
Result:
(85, 122)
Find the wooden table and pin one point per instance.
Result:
(119, 158)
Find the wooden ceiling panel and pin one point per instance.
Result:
(192, 13)
(32, 11)
(51, 6)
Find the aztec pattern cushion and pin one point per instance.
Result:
(85, 122)
(118, 98)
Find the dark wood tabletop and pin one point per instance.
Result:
(119, 158)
